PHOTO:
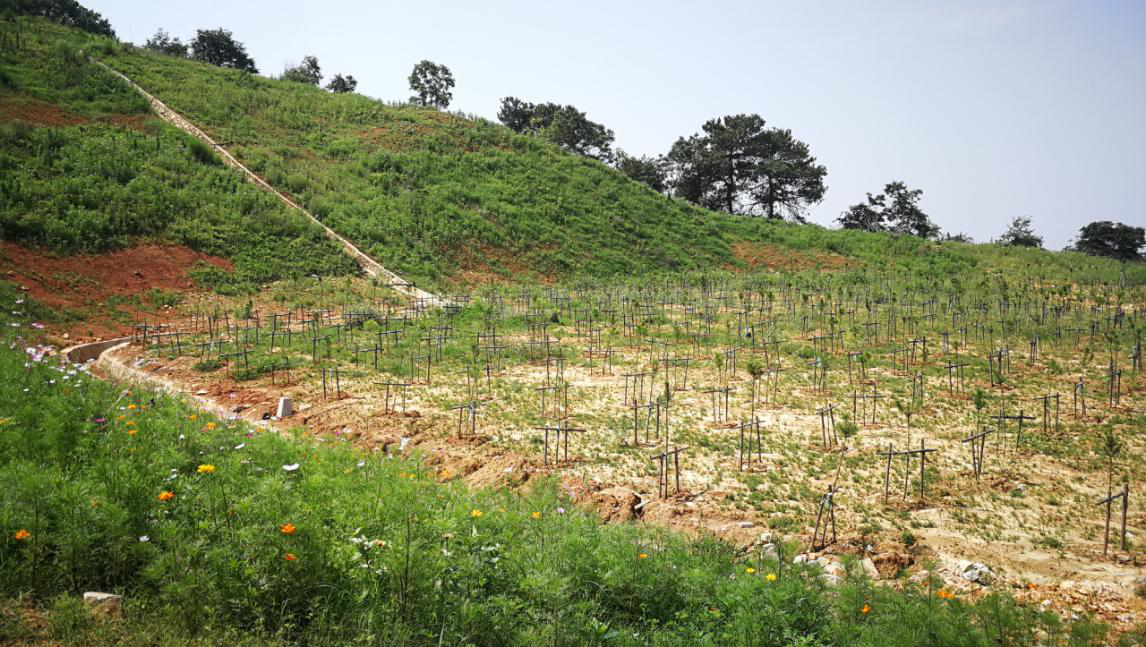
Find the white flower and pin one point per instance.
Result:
(144, 538)
(240, 445)
(290, 468)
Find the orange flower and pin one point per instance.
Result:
(210, 426)
(287, 529)
(866, 609)
(289, 557)
(946, 595)
(130, 407)
(166, 495)
(1031, 586)
(22, 534)
(643, 556)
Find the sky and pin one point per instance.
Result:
(995, 109)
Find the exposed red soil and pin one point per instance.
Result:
(482, 267)
(85, 282)
(769, 256)
(15, 107)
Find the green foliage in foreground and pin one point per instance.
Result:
(378, 551)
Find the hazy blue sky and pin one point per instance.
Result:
(994, 109)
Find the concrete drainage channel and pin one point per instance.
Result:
(102, 353)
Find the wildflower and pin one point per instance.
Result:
(166, 495)
(132, 432)
(210, 426)
(131, 407)
(290, 468)
(535, 514)
(206, 468)
(475, 513)
(22, 534)
(946, 595)
(866, 609)
(193, 417)
(771, 577)
(289, 557)
(560, 510)
(379, 543)
(643, 556)
(144, 539)
(1031, 586)
(287, 529)
(750, 570)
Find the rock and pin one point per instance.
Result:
(106, 604)
(285, 408)
(746, 524)
(800, 559)
(769, 551)
(765, 537)
(869, 568)
(976, 572)
(201, 392)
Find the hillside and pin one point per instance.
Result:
(632, 422)
(87, 168)
(447, 199)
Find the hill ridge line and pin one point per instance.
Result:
(370, 266)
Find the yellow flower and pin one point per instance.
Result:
(535, 514)
(750, 570)
(643, 556)
(166, 495)
(206, 468)
(287, 529)
(132, 432)
(210, 426)
(771, 577)
(192, 417)
(475, 513)
(22, 534)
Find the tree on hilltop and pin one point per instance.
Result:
(163, 43)
(432, 85)
(307, 72)
(219, 47)
(1021, 234)
(738, 165)
(896, 210)
(342, 84)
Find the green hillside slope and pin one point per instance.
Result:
(441, 198)
(87, 168)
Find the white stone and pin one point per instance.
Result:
(104, 603)
(285, 408)
(869, 568)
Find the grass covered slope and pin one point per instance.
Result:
(84, 167)
(219, 533)
(439, 196)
